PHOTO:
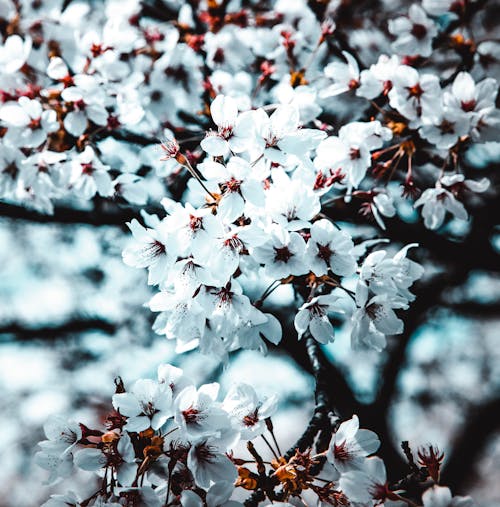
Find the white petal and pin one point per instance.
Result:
(90, 459)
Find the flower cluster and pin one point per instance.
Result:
(259, 216)
(84, 86)
(168, 442)
(159, 428)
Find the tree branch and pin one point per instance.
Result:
(73, 326)
(480, 423)
(320, 419)
(110, 215)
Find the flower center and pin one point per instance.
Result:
(282, 254)
(341, 452)
(251, 419)
(190, 415)
(419, 31)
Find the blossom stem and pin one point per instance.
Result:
(195, 175)
(270, 446)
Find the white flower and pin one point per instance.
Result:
(63, 435)
(236, 186)
(393, 276)
(477, 102)
(254, 327)
(445, 129)
(289, 202)
(90, 459)
(279, 136)
(28, 123)
(58, 466)
(283, 254)
(330, 248)
(173, 377)
(148, 404)
(153, 248)
(90, 175)
(414, 33)
(350, 446)
(247, 411)
(439, 496)
(366, 485)
(313, 315)
(182, 318)
(235, 133)
(379, 77)
(198, 414)
(131, 188)
(345, 76)
(14, 53)
(375, 318)
(87, 103)
(350, 151)
(382, 205)
(415, 96)
(437, 201)
(208, 464)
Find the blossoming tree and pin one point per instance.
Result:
(311, 149)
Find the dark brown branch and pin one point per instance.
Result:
(74, 326)
(110, 215)
(320, 419)
(481, 422)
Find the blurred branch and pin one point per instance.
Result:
(480, 424)
(475, 309)
(110, 215)
(73, 326)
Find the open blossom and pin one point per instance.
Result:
(148, 404)
(90, 175)
(440, 496)
(236, 186)
(345, 76)
(289, 203)
(209, 463)
(375, 318)
(350, 151)
(247, 411)
(351, 445)
(414, 33)
(235, 132)
(329, 248)
(476, 101)
(437, 201)
(379, 77)
(14, 53)
(87, 103)
(198, 414)
(30, 123)
(415, 95)
(445, 128)
(153, 248)
(313, 316)
(279, 136)
(62, 435)
(391, 275)
(283, 254)
(369, 484)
